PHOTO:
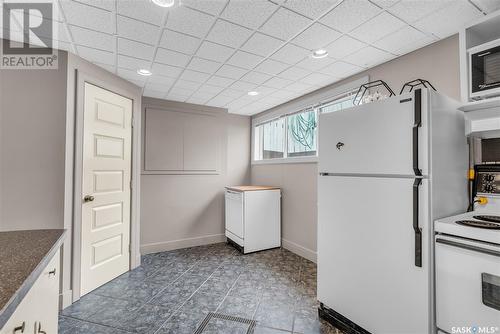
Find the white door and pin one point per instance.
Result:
(106, 187)
(374, 138)
(366, 253)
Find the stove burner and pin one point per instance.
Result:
(493, 219)
(479, 224)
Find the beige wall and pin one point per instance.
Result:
(181, 210)
(438, 63)
(32, 147)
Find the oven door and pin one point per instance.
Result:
(467, 285)
(485, 71)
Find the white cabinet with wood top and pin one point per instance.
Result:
(253, 217)
(38, 311)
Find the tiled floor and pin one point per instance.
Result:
(173, 292)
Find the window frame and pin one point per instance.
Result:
(323, 100)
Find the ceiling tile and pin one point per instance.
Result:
(249, 13)
(219, 81)
(228, 71)
(261, 44)
(210, 89)
(236, 104)
(272, 67)
(196, 100)
(220, 101)
(294, 73)
(264, 91)
(179, 42)
(368, 57)
(104, 4)
(314, 64)
(378, 27)
(212, 7)
(316, 36)
(386, 3)
(132, 63)
(234, 93)
(173, 58)
(176, 97)
(317, 79)
(161, 80)
(290, 54)
(299, 87)
(180, 92)
(277, 83)
(137, 30)
(349, 14)
(244, 60)
(153, 93)
(166, 70)
(203, 65)
(214, 51)
(95, 55)
(344, 46)
(135, 49)
(487, 6)
(194, 76)
(145, 11)
(228, 34)
(256, 77)
(284, 24)
(411, 10)
(90, 38)
(199, 97)
(400, 39)
(131, 75)
(186, 84)
(186, 20)
(311, 9)
(88, 17)
(243, 86)
(157, 87)
(415, 45)
(440, 24)
(283, 94)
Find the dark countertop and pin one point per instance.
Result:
(23, 256)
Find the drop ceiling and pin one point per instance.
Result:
(214, 52)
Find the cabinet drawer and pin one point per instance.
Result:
(39, 308)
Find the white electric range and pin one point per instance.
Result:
(467, 262)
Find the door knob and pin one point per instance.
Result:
(88, 198)
(339, 145)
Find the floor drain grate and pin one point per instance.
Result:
(227, 318)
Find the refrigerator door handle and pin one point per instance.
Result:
(417, 124)
(416, 227)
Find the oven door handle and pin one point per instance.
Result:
(468, 247)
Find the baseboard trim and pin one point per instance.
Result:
(182, 243)
(299, 250)
(65, 299)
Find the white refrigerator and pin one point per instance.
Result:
(387, 169)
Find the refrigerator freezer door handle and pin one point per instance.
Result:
(416, 125)
(416, 227)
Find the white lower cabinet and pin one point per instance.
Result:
(38, 311)
(253, 217)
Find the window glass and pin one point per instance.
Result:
(273, 139)
(341, 103)
(302, 134)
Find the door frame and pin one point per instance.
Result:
(73, 183)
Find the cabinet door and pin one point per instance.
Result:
(234, 213)
(40, 305)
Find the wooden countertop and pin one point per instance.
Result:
(251, 188)
(23, 257)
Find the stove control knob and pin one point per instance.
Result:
(489, 188)
(490, 177)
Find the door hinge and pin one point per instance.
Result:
(132, 123)
(131, 183)
(130, 248)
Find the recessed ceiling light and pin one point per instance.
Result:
(164, 3)
(253, 93)
(144, 72)
(321, 53)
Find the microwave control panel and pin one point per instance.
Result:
(487, 180)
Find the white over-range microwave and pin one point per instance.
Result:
(484, 70)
